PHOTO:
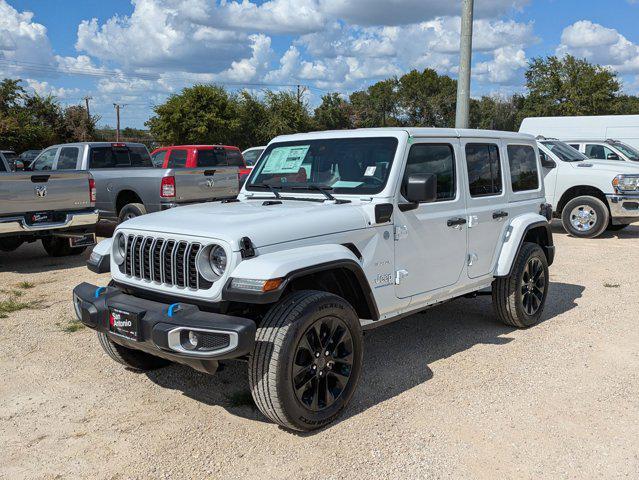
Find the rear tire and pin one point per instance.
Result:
(131, 210)
(60, 247)
(585, 217)
(307, 360)
(9, 244)
(130, 358)
(519, 299)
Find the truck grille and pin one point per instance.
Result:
(165, 261)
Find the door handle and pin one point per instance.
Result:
(456, 222)
(499, 215)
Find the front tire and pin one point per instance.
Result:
(585, 217)
(307, 360)
(519, 299)
(133, 359)
(60, 247)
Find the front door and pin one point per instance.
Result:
(488, 207)
(430, 246)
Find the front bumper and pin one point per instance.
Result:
(623, 208)
(161, 326)
(80, 220)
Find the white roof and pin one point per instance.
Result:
(412, 131)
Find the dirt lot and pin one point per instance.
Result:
(448, 393)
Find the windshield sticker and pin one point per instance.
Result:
(345, 184)
(370, 171)
(285, 159)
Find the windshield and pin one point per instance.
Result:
(251, 156)
(627, 150)
(564, 151)
(343, 165)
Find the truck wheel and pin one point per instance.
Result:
(60, 247)
(307, 360)
(10, 244)
(519, 298)
(131, 210)
(585, 217)
(130, 358)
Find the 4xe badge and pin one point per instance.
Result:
(41, 191)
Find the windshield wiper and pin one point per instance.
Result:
(324, 190)
(269, 187)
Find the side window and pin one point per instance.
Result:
(251, 156)
(523, 168)
(101, 157)
(575, 146)
(433, 158)
(177, 159)
(158, 158)
(484, 169)
(2, 167)
(599, 152)
(234, 158)
(44, 161)
(68, 158)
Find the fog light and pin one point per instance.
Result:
(194, 339)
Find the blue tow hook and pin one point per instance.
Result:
(173, 308)
(98, 291)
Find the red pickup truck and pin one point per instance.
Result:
(198, 156)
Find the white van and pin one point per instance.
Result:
(624, 128)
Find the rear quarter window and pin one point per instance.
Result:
(524, 173)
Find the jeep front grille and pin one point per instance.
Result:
(164, 261)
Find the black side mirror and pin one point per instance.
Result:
(420, 188)
(547, 162)
(612, 156)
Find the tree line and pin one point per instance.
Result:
(209, 114)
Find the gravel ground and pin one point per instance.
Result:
(448, 393)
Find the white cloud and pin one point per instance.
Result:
(22, 41)
(45, 89)
(599, 44)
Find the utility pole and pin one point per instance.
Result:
(301, 89)
(465, 58)
(86, 102)
(117, 116)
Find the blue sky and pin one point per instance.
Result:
(139, 52)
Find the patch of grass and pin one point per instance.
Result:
(611, 285)
(26, 285)
(17, 293)
(12, 305)
(73, 326)
(239, 399)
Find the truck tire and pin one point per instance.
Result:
(131, 210)
(585, 217)
(9, 244)
(307, 360)
(60, 247)
(133, 359)
(519, 298)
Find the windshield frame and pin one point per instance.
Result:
(252, 185)
(560, 156)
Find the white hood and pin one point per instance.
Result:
(263, 224)
(610, 166)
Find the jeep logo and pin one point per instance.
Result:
(41, 191)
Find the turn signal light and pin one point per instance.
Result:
(92, 191)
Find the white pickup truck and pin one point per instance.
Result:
(333, 233)
(589, 195)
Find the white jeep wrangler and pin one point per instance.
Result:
(333, 233)
(589, 195)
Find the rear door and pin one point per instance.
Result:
(488, 207)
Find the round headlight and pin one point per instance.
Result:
(217, 258)
(119, 248)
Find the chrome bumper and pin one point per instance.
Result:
(18, 225)
(624, 206)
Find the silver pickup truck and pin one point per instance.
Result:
(57, 208)
(127, 184)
